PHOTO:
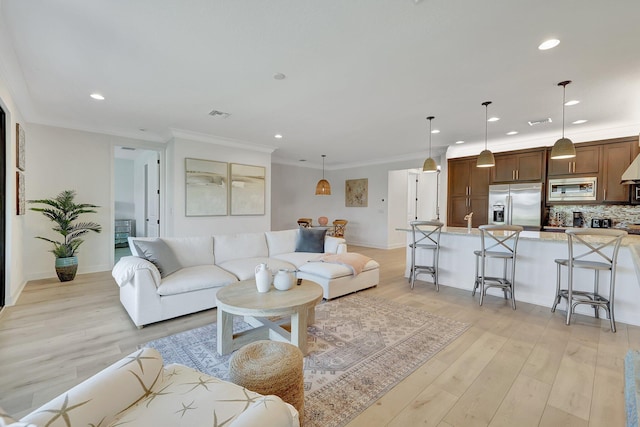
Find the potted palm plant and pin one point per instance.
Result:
(63, 211)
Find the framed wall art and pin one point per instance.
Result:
(207, 187)
(20, 147)
(247, 189)
(20, 194)
(356, 193)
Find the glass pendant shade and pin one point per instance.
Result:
(430, 165)
(486, 159)
(563, 149)
(323, 188)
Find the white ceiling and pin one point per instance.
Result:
(361, 75)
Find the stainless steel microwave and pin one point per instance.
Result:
(572, 189)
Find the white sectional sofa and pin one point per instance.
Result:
(141, 391)
(203, 265)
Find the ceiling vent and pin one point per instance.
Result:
(539, 122)
(219, 114)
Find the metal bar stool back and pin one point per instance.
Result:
(499, 242)
(425, 235)
(591, 249)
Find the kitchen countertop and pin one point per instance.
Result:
(536, 275)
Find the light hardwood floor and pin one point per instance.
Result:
(511, 368)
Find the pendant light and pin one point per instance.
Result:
(430, 165)
(486, 159)
(563, 148)
(323, 188)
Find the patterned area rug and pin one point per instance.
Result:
(359, 348)
(632, 386)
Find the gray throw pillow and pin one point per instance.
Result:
(160, 254)
(311, 240)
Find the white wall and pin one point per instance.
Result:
(177, 223)
(62, 159)
(15, 278)
(294, 197)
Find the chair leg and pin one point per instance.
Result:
(570, 305)
(513, 282)
(596, 284)
(413, 266)
(558, 296)
(475, 282)
(482, 271)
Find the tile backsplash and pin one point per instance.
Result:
(617, 213)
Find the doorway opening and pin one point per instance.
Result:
(136, 196)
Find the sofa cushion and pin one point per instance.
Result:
(245, 268)
(188, 397)
(298, 258)
(281, 242)
(333, 271)
(310, 240)
(195, 278)
(235, 246)
(192, 251)
(160, 254)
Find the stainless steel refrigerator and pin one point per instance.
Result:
(516, 204)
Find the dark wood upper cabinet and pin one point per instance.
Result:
(587, 161)
(616, 157)
(519, 166)
(468, 192)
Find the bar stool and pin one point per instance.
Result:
(499, 242)
(426, 235)
(603, 245)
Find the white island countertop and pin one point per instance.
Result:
(536, 269)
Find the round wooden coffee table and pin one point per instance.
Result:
(243, 299)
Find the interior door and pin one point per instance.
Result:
(152, 197)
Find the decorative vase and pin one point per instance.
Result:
(283, 280)
(263, 278)
(66, 268)
(323, 220)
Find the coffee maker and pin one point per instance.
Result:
(578, 219)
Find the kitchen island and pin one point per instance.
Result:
(535, 269)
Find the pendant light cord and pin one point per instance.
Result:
(430, 118)
(564, 92)
(486, 121)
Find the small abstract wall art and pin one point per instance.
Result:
(20, 194)
(20, 147)
(356, 193)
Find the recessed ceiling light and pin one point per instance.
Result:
(460, 142)
(513, 132)
(572, 102)
(277, 136)
(97, 96)
(435, 131)
(549, 44)
(540, 121)
(493, 119)
(279, 76)
(579, 122)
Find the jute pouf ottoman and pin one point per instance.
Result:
(270, 367)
